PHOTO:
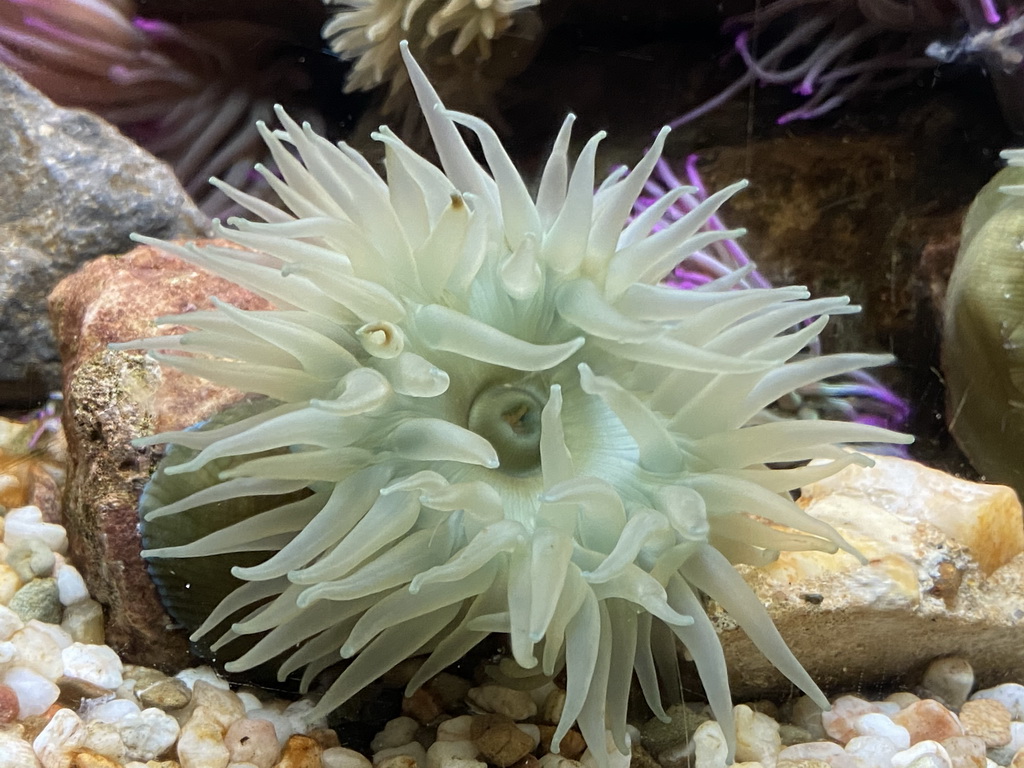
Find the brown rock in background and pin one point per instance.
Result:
(112, 397)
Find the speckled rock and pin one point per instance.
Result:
(39, 599)
(919, 585)
(74, 189)
(112, 397)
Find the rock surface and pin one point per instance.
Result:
(112, 397)
(73, 189)
(945, 561)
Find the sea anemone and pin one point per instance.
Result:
(831, 50)
(190, 93)
(483, 414)
(453, 38)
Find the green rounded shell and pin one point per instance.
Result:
(983, 335)
(190, 588)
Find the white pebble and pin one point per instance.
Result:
(25, 523)
(1010, 695)
(413, 750)
(877, 724)
(15, 752)
(71, 587)
(64, 734)
(35, 693)
(298, 714)
(441, 753)
(109, 711)
(148, 734)
(56, 633)
(396, 732)
(456, 729)
(340, 757)
(207, 674)
(249, 700)
(872, 750)
(503, 701)
(710, 749)
(757, 737)
(615, 758)
(38, 651)
(84, 622)
(10, 622)
(97, 664)
(924, 754)
(822, 751)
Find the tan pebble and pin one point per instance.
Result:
(928, 720)
(552, 760)
(300, 752)
(398, 761)
(413, 750)
(499, 740)
(1018, 759)
(988, 719)
(903, 698)
(965, 751)
(201, 743)
(949, 679)
(92, 760)
(423, 706)
(441, 754)
(530, 761)
(802, 764)
(551, 711)
(397, 732)
(220, 703)
(168, 694)
(503, 701)
(10, 582)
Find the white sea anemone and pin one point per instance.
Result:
(501, 422)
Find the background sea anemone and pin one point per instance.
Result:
(470, 47)
(484, 414)
(191, 93)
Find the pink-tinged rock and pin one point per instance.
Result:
(8, 704)
(112, 397)
(966, 751)
(252, 741)
(928, 720)
(840, 722)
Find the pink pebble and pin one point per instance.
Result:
(8, 704)
(253, 741)
(928, 720)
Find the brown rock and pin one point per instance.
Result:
(168, 694)
(8, 704)
(73, 690)
(300, 752)
(423, 706)
(987, 719)
(927, 720)
(1018, 759)
(112, 397)
(499, 740)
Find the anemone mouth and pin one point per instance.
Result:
(509, 416)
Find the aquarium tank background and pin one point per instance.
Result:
(521, 389)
